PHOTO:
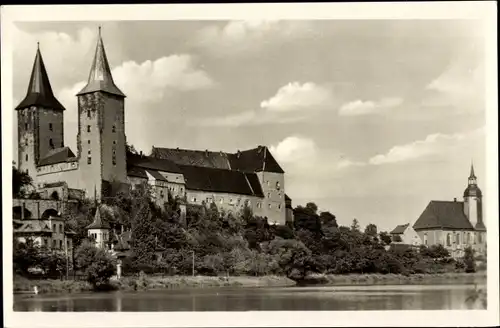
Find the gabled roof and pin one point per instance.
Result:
(57, 155)
(400, 229)
(151, 163)
(100, 78)
(98, 222)
(39, 90)
(443, 215)
(156, 175)
(252, 160)
(33, 226)
(218, 180)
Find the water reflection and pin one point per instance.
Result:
(269, 299)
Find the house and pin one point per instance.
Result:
(455, 224)
(405, 234)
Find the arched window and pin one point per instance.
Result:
(54, 195)
(425, 238)
(457, 238)
(448, 239)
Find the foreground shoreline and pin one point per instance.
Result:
(144, 283)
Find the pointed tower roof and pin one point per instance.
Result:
(98, 222)
(100, 78)
(472, 175)
(39, 90)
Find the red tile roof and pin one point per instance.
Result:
(443, 215)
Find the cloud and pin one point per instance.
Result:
(58, 49)
(294, 149)
(292, 103)
(146, 85)
(345, 163)
(461, 84)
(246, 37)
(296, 96)
(360, 107)
(433, 144)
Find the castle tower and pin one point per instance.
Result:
(473, 208)
(40, 119)
(101, 127)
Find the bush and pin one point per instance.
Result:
(96, 264)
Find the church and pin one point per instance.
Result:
(455, 224)
(230, 180)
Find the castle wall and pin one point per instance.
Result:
(48, 119)
(26, 126)
(89, 143)
(273, 186)
(226, 201)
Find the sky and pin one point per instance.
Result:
(370, 119)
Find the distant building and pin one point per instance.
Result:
(405, 234)
(98, 231)
(46, 229)
(455, 224)
(230, 180)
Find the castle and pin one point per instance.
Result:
(230, 180)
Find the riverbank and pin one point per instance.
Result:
(395, 279)
(144, 282)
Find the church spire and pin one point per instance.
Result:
(39, 90)
(100, 78)
(472, 175)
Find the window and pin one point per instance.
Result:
(26, 126)
(27, 171)
(269, 205)
(278, 185)
(53, 244)
(114, 157)
(60, 244)
(268, 195)
(88, 141)
(425, 238)
(114, 128)
(88, 114)
(26, 143)
(267, 183)
(230, 200)
(26, 156)
(88, 128)
(259, 205)
(60, 228)
(68, 244)
(54, 228)
(448, 239)
(46, 242)
(114, 142)
(50, 127)
(457, 238)
(194, 199)
(89, 160)
(51, 143)
(221, 200)
(88, 152)
(479, 237)
(161, 194)
(279, 206)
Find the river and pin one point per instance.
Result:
(317, 298)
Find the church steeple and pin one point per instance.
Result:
(100, 78)
(472, 176)
(39, 90)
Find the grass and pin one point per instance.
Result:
(393, 279)
(145, 282)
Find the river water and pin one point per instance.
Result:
(317, 298)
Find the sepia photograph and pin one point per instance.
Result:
(164, 159)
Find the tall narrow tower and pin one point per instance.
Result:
(101, 127)
(40, 119)
(473, 207)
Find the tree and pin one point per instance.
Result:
(355, 225)
(96, 263)
(470, 263)
(328, 219)
(385, 237)
(20, 181)
(371, 230)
